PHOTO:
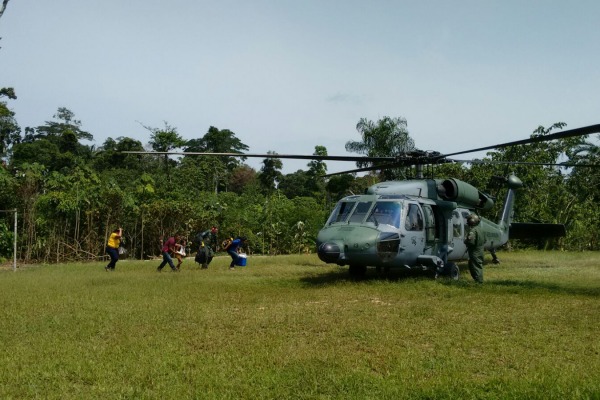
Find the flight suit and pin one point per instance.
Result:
(205, 255)
(475, 241)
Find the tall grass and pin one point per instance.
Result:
(292, 327)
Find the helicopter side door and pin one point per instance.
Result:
(436, 235)
(431, 232)
(413, 242)
(459, 249)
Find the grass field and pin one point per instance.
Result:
(293, 327)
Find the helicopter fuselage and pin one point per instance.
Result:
(410, 224)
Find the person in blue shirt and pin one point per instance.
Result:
(233, 248)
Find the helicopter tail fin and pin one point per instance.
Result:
(513, 183)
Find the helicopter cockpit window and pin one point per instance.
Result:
(360, 212)
(341, 211)
(414, 218)
(386, 212)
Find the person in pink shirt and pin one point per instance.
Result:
(167, 249)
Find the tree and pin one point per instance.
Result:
(296, 184)
(165, 140)
(316, 171)
(3, 8)
(66, 126)
(388, 137)
(217, 141)
(586, 179)
(29, 187)
(218, 169)
(241, 178)
(270, 172)
(110, 155)
(583, 184)
(545, 196)
(339, 186)
(8, 186)
(10, 132)
(55, 144)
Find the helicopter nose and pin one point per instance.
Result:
(329, 252)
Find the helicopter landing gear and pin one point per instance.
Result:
(495, 259)
(452, 271)
(357, 271)
(382, 272)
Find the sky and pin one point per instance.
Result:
(289, 75)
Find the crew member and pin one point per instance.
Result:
(475, 240)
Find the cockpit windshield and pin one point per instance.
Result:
(360, 212)
(386, 212)
(341, 212)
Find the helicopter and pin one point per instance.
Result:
(417, 224)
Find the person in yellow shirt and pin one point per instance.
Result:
(112, 248)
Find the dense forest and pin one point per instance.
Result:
(69, 194)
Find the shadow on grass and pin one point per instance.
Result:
(508, 286)
(342, 275)
(519, 286)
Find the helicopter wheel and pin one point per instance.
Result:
(357, 271)
(453, 271)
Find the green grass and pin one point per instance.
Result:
(293, 327)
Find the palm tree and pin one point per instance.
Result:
(388, 137)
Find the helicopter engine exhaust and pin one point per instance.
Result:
(463, 193)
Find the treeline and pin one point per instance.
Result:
(69, 194)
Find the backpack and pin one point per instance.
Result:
(226, 243)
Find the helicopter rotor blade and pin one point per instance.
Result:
(364, 169)
(586, 130)
(251, 155)
(565, 165)
(416, 157)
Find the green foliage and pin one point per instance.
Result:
(296, 184)
(55, 145)
(9, 128)
(388, 137)
(8, 187)
(110, 156)
(270, 173)
(216, 170)
(242, 178)
(549, 194)
(7, 238)
(310, 183)
(218, 141)
(339, 186)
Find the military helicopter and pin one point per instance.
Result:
(417, 224)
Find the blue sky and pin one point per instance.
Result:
(289, 75)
